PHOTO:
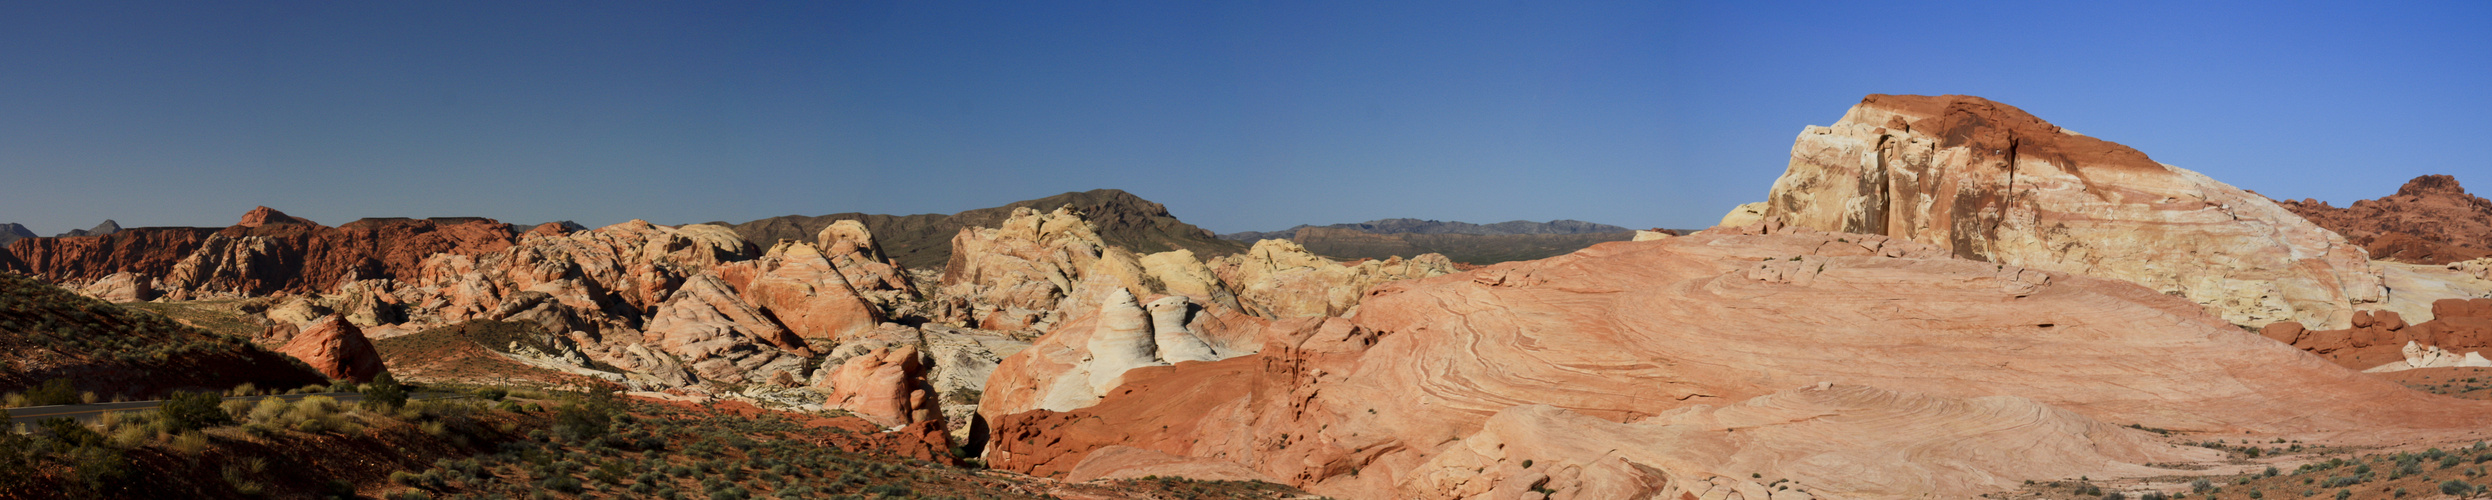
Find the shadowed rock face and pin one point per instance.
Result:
(1987, 181)
(1826, 358)
(2431, 220)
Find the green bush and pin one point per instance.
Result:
(2456, 487)
(493, 393)
(17, 460)
(70, 432)
(580, 421)
(186, 410)
(384, 392)
(53, 392)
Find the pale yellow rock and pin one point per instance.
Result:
(1643, 235)
(1744, 214)
(1281, 279)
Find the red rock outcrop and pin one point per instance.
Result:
(2378, 337)
(273, 253)
(1827, 359)
(1987, 181)
(261, 216)
(2431, 220)
(885, 386)
(338, 349)
(150, 251)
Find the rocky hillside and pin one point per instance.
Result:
(1944, 297)
(923, 241)
(2431, 220)
(12, 232)
(1463, 242)
(265, 252)
(107, 228)
(50, 333)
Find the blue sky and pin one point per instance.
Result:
(1237, 115)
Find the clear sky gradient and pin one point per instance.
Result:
(1237, 115)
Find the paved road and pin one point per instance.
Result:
(89, 413)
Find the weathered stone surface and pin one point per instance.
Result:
(2421, 356)
(1013, 276)
(885, 386)
(121, 287)
(1090, 356)
(800, 287)
(723, 339)
(1899, 347)
(1987, 181)
(1745, 214)
(2431, 220)
(337, 349)
(1280, 279)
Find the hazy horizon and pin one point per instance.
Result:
(1238, 117)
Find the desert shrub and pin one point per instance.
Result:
(2456, 487)
(69, 432)
(238, 475)
(268, 410)
(17, 459)
(98, 468)
(565, 483)
(894, 490)
(53, 392)
(190, 443)
(186, 410)
(579, 421)
(493, 393)
(384, 392)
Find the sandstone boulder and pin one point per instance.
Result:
(720, 338)
(1745, 214)
(1987, 181)
(885, 386)
(800, 287)
(121, 287)
(336, 348)
(1280, 279)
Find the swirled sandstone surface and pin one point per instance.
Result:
(1852, 365)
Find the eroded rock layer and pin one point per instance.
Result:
(1986, 181)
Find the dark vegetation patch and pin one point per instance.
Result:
(114, 351)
